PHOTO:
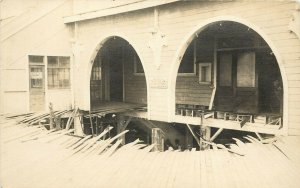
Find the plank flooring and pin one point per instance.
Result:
(32, 157)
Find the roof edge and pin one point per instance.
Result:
(115, 10)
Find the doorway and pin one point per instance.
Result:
(36, 83)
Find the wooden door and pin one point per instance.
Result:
(37, 87)
(237, 82)
(246, 100)
(225, 89)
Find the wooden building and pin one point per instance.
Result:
(222, 64)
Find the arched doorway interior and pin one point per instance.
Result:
(117, 75)
(229, 67)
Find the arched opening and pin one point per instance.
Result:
(117, 76)
(230, 69)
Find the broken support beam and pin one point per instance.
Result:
(216, 134)
(258, 136)
(52, 117)
(194, 135)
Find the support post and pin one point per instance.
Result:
(78, 127)
(58, 122)
(189, 138)
(122, 123)
(205, 134)
(51, 116)
(158, 139)
(78, 124)
(91, 122)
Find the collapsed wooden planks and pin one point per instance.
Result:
(35, 118)
(58, 160)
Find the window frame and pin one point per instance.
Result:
(57, 68)
(201, 65)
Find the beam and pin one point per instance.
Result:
(194, 135)
(258, 136)
(122, 124)
(216, 134)
(233, 125)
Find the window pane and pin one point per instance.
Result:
(50, 78)
(64, 62)
(36, 59)
(58, 72)
(36, 77)
(52, 61)
(96, 71)
(205, 72)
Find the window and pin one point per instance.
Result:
(187, 65)
(36, 77)
(58, 72)
(205, 73)
(96, 70)
(138, 67)
(36, 59)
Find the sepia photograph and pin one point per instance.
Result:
(149, 94)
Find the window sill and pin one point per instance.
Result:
(60, 89)
(139, 74)
(205, 83)
(187, 74)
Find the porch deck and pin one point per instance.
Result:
(268, 123)
(32, 157)
(106, 107)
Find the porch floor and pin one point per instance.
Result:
(115, 107)
(268, 123)
(31, 157)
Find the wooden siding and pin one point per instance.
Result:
(135, 85)
(188, 88)
(39, 31)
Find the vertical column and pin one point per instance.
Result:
(205, 134)
(121, 125)
(158, 139)
(78, 126)
(188, 138)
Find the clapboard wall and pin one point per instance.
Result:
(135, 84)
(188, 89)
(176, 21)
(37, 29)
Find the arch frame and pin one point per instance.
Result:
(186, 41)
(97, 45)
